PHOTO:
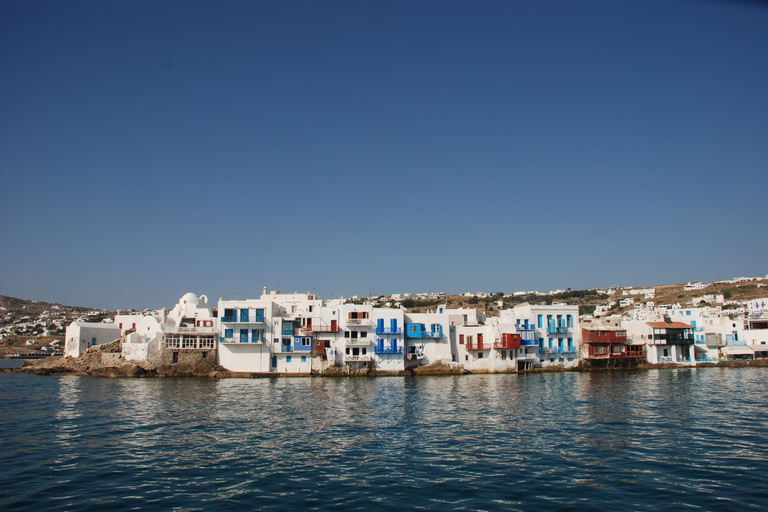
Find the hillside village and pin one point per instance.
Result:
(300, 334)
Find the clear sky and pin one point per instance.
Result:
(152, 148)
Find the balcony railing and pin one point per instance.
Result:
(236, 341)
(201, 330)
(358, 321)
(603, 336)
(419, 332)
(357, 358)
(357, 342)
(680, 340)
(554, 329)
(529, 343)
(316, 327)
(389, 330)
(258, 319)
(389, 350)
(560, 350)
(508, 341)
(477, 346)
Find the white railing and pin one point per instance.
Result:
(192, 330)
(358, 341)
(352, 359)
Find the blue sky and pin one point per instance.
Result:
(148, 149)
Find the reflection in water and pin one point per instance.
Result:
(653, 439)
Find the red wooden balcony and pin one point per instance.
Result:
(508, 341)
(603, 335)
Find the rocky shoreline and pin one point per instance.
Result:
(109, 363)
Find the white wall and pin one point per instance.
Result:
(81, 335)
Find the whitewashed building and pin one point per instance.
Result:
(553, 329)
(81, 336)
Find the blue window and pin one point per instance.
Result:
(303, 359)
(569, 319)
(287, 359)
(256, 335)
(570, 343)
(243, 315)
(274, 361)
(541, 321)
(243, 335)
(259, 315)
(228, 333)
(550, 342)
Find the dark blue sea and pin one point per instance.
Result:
(686, 439)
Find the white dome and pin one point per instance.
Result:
(189, 298)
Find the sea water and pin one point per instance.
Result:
(624, 440)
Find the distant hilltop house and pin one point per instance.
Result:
(647, 293)
(710, 298)
(757, 306)
(694, 286)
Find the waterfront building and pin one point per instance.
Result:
(186, 334)
(128, 322)
(321, 322)
(555, 327)
(357, 330)
(81, 336)
(489, 347)
(189, 331)
(144, 338)
(670, 342)
(267, 335)
(246, 334)
(426, 339)
(608, 346)
(755, 334)
(389, 346)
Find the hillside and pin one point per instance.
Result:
(41, 323)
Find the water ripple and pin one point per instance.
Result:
(655, 440)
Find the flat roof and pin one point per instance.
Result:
(670, 325)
